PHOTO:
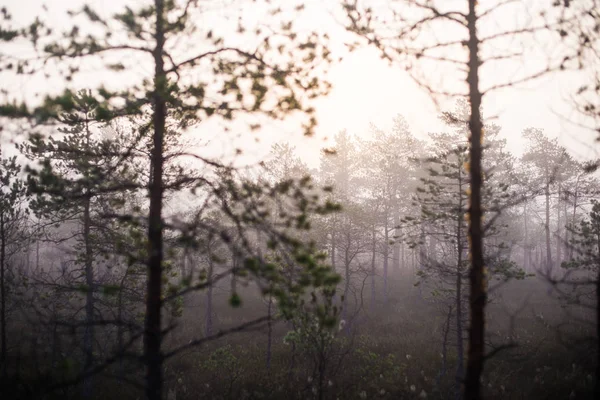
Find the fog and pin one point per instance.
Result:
(268, 199)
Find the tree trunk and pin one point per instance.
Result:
(597, 387)
(573, 219)
(209, 298)
(346, 279)
(403, 255)
(459, 317)
(396, 254)
(477, 298)
(526, 242)
(3, 345)
(333, 243)
(88, 337)
(152, 333)
(460, 361)
(386, 254)
(558, 230)
(565, 242)
(373, 272)
(549, 263)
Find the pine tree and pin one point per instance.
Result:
(276, 78)
(80, 171)
(552, 165)
(13, 236)
(443, 198)
(586, 265)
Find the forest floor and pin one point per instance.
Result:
(391, 351)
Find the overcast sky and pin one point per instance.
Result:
(367, 90)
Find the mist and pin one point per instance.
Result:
(288, 199)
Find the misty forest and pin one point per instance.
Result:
(182, 215)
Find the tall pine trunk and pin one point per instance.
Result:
(208, 325)
(558, 230)
(597, 387)
(346, 278)
(396, 254)
(386, 256)
(3, 345)
(526, 249)
(477, 298)
(459, 316)
(88, 338)
(373, 272)
(549, 263)
(333, 242)
(152, 333)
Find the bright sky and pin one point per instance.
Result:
(367, 90)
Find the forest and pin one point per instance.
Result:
(147, 251)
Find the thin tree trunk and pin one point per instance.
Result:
(549, 263)
(209, 298)
(152, 333)
(346, 280)
(460, 362)
(333, 243)
(558, 230)
(3, 346)
(120, 341)
(597, 388)
(476, 352)
(88, 338)
(566, 239)
(397, 233)
(373, 272)
(403, 256)
(386, 247)
(459, 317)
(526, 249)
(574, 216)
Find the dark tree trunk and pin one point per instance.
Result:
(333, 243)
(566, 239)
(152, 333)
(558, 230)
(549, 263)
(396, 254)
(3, 345)
(526, 248)
(346, 277)
(574, 218)
(373, 272)
(88, 338)
(460, 362)
(597, 387)
(208, 328)
(37, 256)
(386, 256)
(477, 298)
